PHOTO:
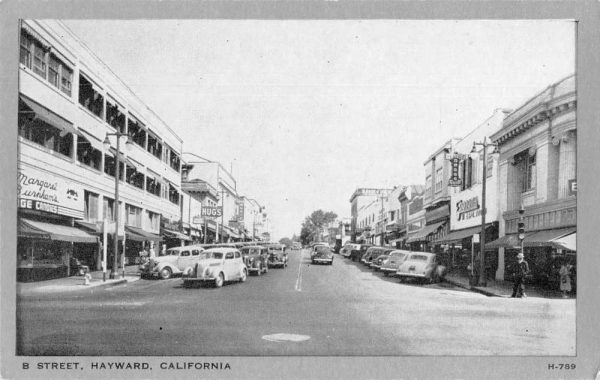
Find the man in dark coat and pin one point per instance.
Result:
(520, 271)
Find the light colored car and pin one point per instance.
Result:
(347, 249)
(392, 263)
(175, 260)
(218, 266)
(322, 255)
(421, 265)
(379, 259)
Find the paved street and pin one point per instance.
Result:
(343, 309)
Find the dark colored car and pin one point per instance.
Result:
(322, 255)
(378, 260)
(277, 256)
(372, 253)
(357, 254)
(256, 257)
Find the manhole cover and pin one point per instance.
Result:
(286, 337)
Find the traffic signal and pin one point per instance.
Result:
(521, 227)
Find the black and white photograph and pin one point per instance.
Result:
(191, 191)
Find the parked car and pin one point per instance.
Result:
(296, 246)
(277, 256)
(391, 265)
(347, 249)
(357, 254)
(323, 254)
(218, 265)
(174, 261)
(371, 253)
(421, 265)
(255, 257)
(378, 259)
(317, 245)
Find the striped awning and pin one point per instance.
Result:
(421, 235)
(42, 230)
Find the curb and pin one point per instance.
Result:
(472, 288)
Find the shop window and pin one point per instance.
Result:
(108, 209)
(154, 146)
(136, 130)
(87, 154)
(42, 133)
(114, 116)
(90, 97)
(90, 210)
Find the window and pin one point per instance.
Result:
(527, 165)
(134, 215)
(39, 60)
(154, 146)
(53, 71)
(87, 154)
(154, 220)
(26, 49)
(42, 133)
(90, 97)
(114, 116)
(195, 252)
(66, 78)
(108, 208)
(229, 256)
(467, 173)
(439, 179)
(428, 186)
(109, 165)
(133, 177)
(153, 186)
(90, 210)
(173, 194)
(489, 171)
(175, 161)
(136, 130)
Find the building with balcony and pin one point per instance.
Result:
(69, 104)
(538, 172)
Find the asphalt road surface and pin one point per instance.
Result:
(304, 309)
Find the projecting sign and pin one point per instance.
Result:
(465, 208)
(38, 190)
(572, 187)
(454, 178)
(212, 211)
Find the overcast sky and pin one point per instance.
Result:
(307, 111)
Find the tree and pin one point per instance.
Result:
(313, 225)
(286, 241)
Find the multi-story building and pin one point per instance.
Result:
(359, 199)
(436, 198)
(393, 209)
(538, 173)
(70, 103)
(405, 197)
(459, 245)
(415, 220)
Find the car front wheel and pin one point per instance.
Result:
(244, 275)
(219, 280)
(165, 273)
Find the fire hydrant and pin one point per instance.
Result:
(86, 278)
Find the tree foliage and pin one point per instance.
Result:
(314, 224)
(286, 241)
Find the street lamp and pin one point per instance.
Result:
(482, 278)
(114, 269)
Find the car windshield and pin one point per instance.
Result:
(251, 251)
(419, 257)
(398, 254)
(322, 249)
(214, 255)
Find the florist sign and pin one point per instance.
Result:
(41, 191)
(465, 208)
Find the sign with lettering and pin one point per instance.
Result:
(465, 207)
(42, 191)
(212, 211)
(454, 170)
(572, 187)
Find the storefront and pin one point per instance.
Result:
(137, 241)
(421, 239)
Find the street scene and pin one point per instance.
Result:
(296, 188)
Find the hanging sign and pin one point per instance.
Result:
(454, 170)
(212, 211)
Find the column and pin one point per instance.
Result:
(567, 169)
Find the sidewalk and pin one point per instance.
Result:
(72, 283)
(497, 288)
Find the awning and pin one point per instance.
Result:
(456, 236)
(568, 242)
(507, 241)
(43, 230)
(125, 159)
(176, 235)
(94, 142)
(35, 35)
(422, 234)
(50, 117)
(137, 234)
(547, 238)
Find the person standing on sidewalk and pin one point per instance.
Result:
(565, 278)
(521, 270)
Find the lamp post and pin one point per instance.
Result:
(114, 269)
(482, 278)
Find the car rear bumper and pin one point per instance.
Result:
(411, 275)
(388, 270)
(375, 266)
(317, 260)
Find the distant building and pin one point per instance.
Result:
(359, 199)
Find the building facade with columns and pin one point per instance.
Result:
(70, 106)
(538, 173)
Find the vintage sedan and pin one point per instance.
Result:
(391, 265)
(174, 261)
(255, 257)
(357, 254)
(422, 266)
(218, 266)
(377, 260)
(347, 249)
(277, 256)
(372, 253)
(322, 255)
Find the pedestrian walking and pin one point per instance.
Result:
(565, 278)
(520, 271)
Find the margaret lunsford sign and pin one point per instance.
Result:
(42, 191)
(465, 207)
